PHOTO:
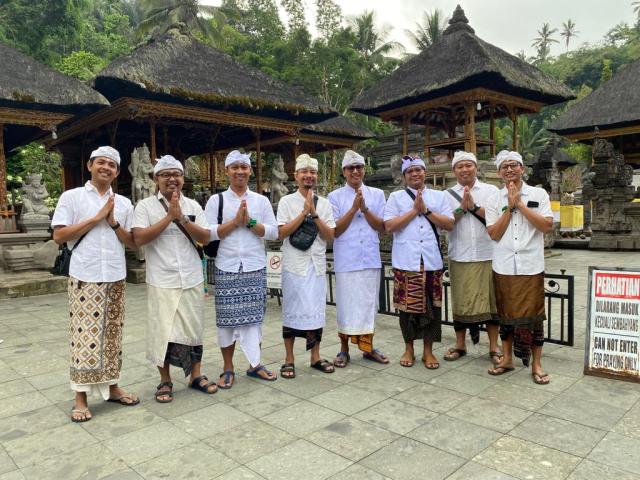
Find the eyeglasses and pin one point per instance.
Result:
(168, 175)
(509, 166)
(351, 168)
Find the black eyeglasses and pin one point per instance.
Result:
(351, 168)
(168, 175)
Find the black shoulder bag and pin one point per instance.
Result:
(459, 199)
(433, 225)
(306, 233)
(184, 231)
(61, 267)
(211, 248)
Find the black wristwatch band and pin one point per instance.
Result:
(116, 226)
(427, 213)
(475, 208)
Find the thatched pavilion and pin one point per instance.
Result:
(34, 99)
(614, 109)
(182, 97)
(457, 82)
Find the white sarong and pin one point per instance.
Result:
(175, 315)
(357, 301)
(249, 336)
(304, 300)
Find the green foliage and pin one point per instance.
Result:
(607, 73)
(579, 151)
(430, 30)
(328, 18)
(33, 158)
(81, 65)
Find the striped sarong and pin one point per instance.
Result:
(240, 297)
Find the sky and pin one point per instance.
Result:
(509, 24)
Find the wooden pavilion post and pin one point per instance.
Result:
(470, 128)
(427, 138)
(258, 162)
(405, 135)
(165, 140)
(492, 132)
(212, 173)
(215, 172)
(152, 140)
(3, 172)
(332, 175)
(514, 130)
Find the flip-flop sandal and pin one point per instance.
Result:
(538, 378)
(165, 393)
(288, 368)
(82, 411)
(376, 356)
(342, 359)
(407, 363)
(430, 365)
(195, 384)
(227, 374)
(254, 373)
(454, 354)
(324, 365)
(497, 371)
(122, 400)
(495, 357)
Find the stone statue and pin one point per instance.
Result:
(34, 193)
(396, 172)
(140, 168)
(278, 179)
(191, 169)
(554, 177)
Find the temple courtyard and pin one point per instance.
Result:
(367, 421)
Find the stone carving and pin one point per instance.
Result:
(396, 172)
(554, 177)
(278, 179)
(140, 168)
(34, 193)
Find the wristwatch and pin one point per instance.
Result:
(184, 220)
(427, 213)
(252, 223)
(116, 226)
(475, 208)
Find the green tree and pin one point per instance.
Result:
(371, 41)
(33, 158)
(568, 32)
(430, 30)
(295, 14)
(607, 72)
(543, 42)
(81, 65)
(328, 18)
(532, 136)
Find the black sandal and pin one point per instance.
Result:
(195, 384)
(288, 368)
(324, 365)
(164, 394)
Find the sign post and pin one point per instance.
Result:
(612, 342)
(274, 270)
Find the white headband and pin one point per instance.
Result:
(165, 163)
(461, 156)
(237, 157)
(352, 158)
(408, 161)
(505, 155)
(305, 161)
(107, 152)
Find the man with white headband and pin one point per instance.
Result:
(305, 223)
(170, 226)
(470, 253)
(357, 210)
(96, 222)
(518, 216)
(414, 215)
(241, 267)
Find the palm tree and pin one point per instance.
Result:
(636, 8)
(543, 41)
(430, 30)
(370, 41)
(569, 31)
(531, 137)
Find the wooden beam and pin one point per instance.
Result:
(427, 137)
(405, 135)
(604, 132)
(492, 132)
(3, 172)
(36, 118)
(514, 131)
(470, 128)
(152, 141)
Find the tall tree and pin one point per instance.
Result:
(370, 40)
(543, 42)
(568, 32)
(295, 13)
(430, 30)
(328, 18)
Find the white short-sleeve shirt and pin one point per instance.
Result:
(294, 260)
(100, 255)
(416, 240)
(520, 251)
(358, 247)
(469, 240)
(171, 259)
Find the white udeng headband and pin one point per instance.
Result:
(305, 161)
(505, 155)
(167, 162)
(461, 156)
(408, 161)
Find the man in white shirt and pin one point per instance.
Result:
(518, 216)
(470, 252)
(304, 284)
(169, 225)
(241, 267)
(413, 216)
(357, 210)
(97, 225)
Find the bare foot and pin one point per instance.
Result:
(407, 359)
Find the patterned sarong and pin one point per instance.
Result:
(418, 296)
(241, 297)
(311, 336)
(95, 330)
(183, 356)
(364, 342)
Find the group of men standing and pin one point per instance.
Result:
(495, 262)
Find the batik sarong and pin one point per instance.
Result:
(241, 297)
(95, 333)
(418, 297)
(520, 303)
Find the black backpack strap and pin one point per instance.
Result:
(184, 231)
(79, 240)
(433, 225)
(459, 199)
(220, 204)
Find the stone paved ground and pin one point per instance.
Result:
(364, 422)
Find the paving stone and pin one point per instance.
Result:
(36, 448)
(263, 401)
(432, 398)
(184, 400)
(527, 460)
(352, 438)
(33, 421)
(588, 470)
(462, 382)
(406, 458)
(6, 464)
(383, 383)
(576, 408)
(241, 473)
(517, 396)
(618, 451)
(303, 418)
(358, 472)
(559, 383)
(14, 388)
(488, 414)
(629, 424)
(475, 471)
(22, 403)
(480, 366)
(121, 420)
(396, 416)
(559, 434)
(306, 385)
(149, 442)
(299, 458)
(418, 372)
(196, 461)
(455, 436)
(249, 441)
(621, 394)
(14, 475)
(347, 399)
(211, 420)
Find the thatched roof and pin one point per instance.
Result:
(26, 83)
(616, 103)
(457, 62)
(340, 127)
(178, 68)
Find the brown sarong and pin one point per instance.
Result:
(520, 302)
(418, 296)
(95, 330)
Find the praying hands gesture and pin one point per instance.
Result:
(309, 207)
(106, 212)
(513, 196)
(242, 216)
(358, 201)
(467, 200)
(418, 203)
(175, 212)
